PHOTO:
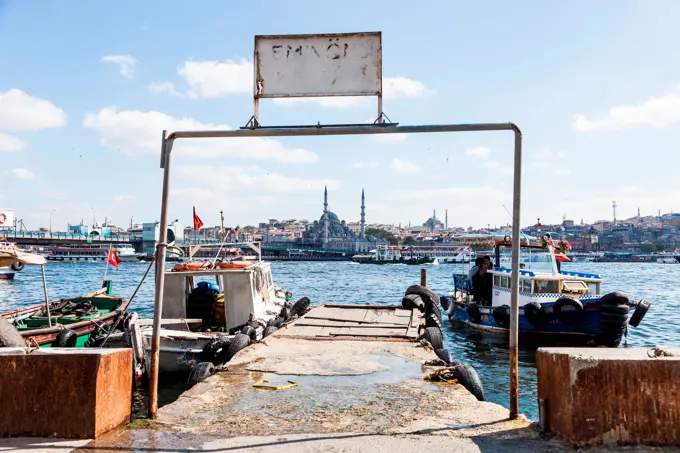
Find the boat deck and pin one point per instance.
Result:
(356, 321)
(358, 369)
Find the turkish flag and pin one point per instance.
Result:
(113, 259)
(198, 223)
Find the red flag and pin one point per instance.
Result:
(113, 259)
(198, 223)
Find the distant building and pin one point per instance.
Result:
(330, 232)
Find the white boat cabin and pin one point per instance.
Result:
(245, 294)
(539, 278)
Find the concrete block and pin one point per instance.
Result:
(63, 392)
(609, 396)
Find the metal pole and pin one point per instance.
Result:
(166, 145)
(47, 301)
(514, 293)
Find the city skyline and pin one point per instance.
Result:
(594, 107)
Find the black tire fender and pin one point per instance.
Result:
(433, 309)
(250, 331)
(568, 311)
(212, 352)
(615, 309)
(413, 301)
(474, 313)
(445, 356)
(444, 302)
(468, 378)
(535, 314)
(502, 316)
(238, 342)
(424, 292)
(431, 320)
(639, 313)
(67, 338)
(434, 336)
(269, 330)
(300, 307)
(614, 298)
(18, 266)
(200, 372)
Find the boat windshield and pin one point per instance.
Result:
(531, 259)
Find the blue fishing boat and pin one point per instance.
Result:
(554, 305)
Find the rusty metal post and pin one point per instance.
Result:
(161, 247)
(514, 288)
(423, 277)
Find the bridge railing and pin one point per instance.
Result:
(69, 236)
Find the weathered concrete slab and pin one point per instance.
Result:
(609, 396)
(365, 387)
(69, 393)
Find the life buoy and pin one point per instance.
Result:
(232, 264)
(568, 311)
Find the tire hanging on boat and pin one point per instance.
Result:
(568, 311)
(502, 316)
(200, 372)
(300, 307)
(613, 324)
(67, 338)
(269, 330)
(238, 342)
(640, 311)
(535, 314)
(614, 298)
(18, 266)
(212, 351)
(474, 313)
(250, 331)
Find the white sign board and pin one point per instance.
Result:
(347, 64)
(6, 218)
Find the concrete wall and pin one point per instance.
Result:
(609, 396)
(63, 392)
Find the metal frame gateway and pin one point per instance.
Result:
(254, 129)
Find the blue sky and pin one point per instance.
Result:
(87, 87)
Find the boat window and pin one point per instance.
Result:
(545, 286)
(574, 286)
(505, 282)
(496, 280)
(526, 286)
(593, 288)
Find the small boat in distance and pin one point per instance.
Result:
(127, 253)
(668, 257)
(392, 255)
(554, 305)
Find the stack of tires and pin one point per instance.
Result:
(421, 298)
(222, 349)
(614, 310)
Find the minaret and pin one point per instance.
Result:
(446, 219)
(325, 215)
(363, 215)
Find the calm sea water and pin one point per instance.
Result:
(343, 282)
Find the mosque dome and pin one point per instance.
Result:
(332, 217)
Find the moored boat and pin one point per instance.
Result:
(8, 271)
(223, 305)
(392, 255)
(554, 305)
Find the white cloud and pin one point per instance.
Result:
(471, 195)
(9, 143)
(164, 88)
(549, 161)
(492, 164)
(133, 132)
(22, 112)
(126, 64)
(22, 173)
(478, 152)
(121, 198)
(217, 181)
(366, 164)
(209, 79)
(658, 112)
(404, 166)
